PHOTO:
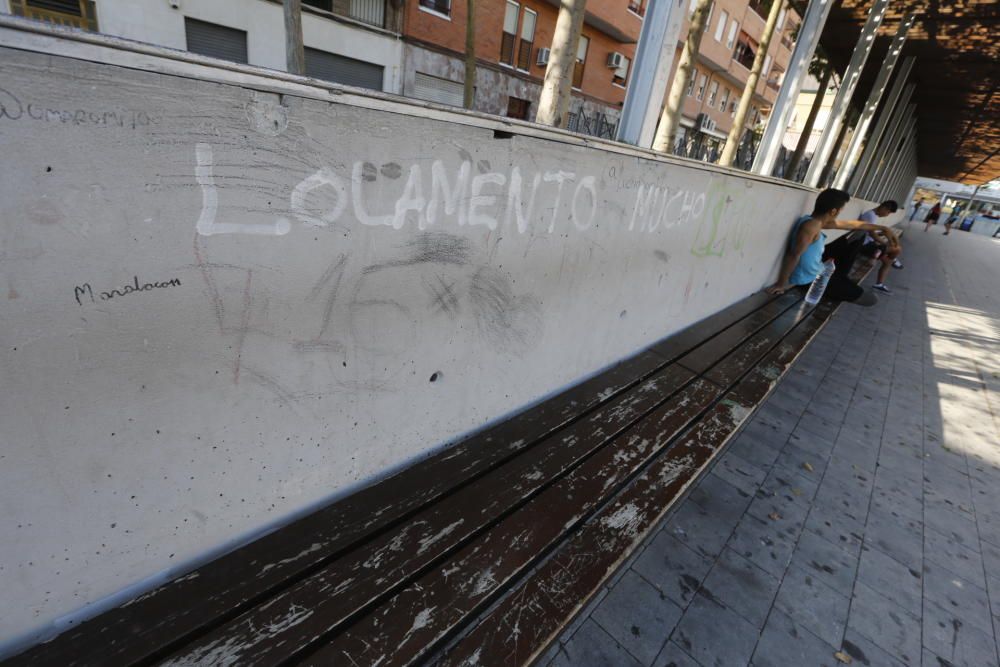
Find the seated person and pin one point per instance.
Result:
(888, 257)
(803, 259)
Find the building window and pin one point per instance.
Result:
(788, 36)
(781, 19)
(518, 108)
(731, 38)
(341, 69)
(581, 60)
(74, 13)
(767, 66)
(746, 50)
(436, 89)
(701, 86)
(637, 7)
(713, 93)
(442, 7)
(761, 7)
(621, 73)
(527, 39)
(775, 79)
(732, 107)
(725, 99)
(509, 33)
(691, 80)
(216, 41)
(720, 28)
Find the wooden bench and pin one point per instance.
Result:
(483, 552)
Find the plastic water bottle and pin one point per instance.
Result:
(818, 286)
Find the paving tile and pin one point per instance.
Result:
(699, 530)
(814, 605)
(828, 562)
(757, 445)
(785, 643)
(951, 555)
(898, 537)
(958, 527)
(673, 655)
(698, 634)
(885, 623)
(765, 544)
(949, 637)
(594, 647)
(638, 616)
(734, 469)
(897, 582)
(965, 600)
(836, 527)
(863, 651)
(741, 586)
(672, 568)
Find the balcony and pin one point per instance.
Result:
(72, 13)
(370, 12)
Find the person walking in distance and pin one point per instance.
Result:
(886, 256)
(803, 259)
(932, 216)
(956, 213)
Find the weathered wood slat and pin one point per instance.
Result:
(704, 356)
(279, 629)
(531, 615)
(726, 372)
(401, 631)
(164, 618)
(687, 339)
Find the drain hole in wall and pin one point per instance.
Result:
(623, 314)
(436, 375)
(502, 134)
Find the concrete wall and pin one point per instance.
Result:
(158, 22)
(228, 296)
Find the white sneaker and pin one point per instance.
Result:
(897, 264)
(882, 288)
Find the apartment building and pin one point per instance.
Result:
(417, 48)
(728, 47)
(353, 42)
(513, 38)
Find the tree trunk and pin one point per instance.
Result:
(666, 131)
(800, 148)
(553, 104)
(470, 54)
(825, 175)
(736, 132)
(294, 52)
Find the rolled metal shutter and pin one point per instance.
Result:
(341, 69)
(217, 41)
(434, 89)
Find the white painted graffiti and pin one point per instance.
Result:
(489, 199)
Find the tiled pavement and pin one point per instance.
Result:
(858, 512)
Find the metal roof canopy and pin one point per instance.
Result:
(957, 48)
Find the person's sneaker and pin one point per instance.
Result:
(897, 264)
(882, 288)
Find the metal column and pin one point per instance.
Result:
(861, 130)
(874, 153)
(880, 152)
(847, 85)
(893, 152)
(784, 104)
(654, 57)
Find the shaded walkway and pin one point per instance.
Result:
(859, 511)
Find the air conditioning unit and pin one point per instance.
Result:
(543, 56)
(615, 60)
(704, 123)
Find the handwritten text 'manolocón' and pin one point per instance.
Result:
(84, 291)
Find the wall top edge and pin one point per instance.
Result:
(28, 35)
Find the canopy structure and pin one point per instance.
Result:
(957, 51)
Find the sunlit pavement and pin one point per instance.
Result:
(857, 518)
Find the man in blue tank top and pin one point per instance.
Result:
(803, 259)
